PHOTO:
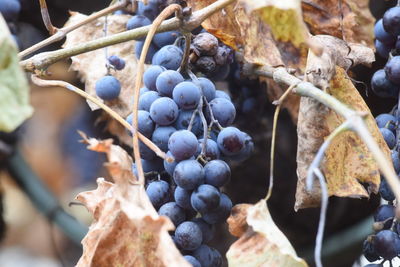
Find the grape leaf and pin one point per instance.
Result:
(14, 89)
(324, 17)
(126, 230)
(91, 66)
(347, 162)
(262, 243)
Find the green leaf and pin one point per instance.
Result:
(14, 89)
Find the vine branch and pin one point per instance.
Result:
(59, 34)
(43, 60)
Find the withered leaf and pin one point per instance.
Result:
(325, 17)
(126, 230)
(92, 65)
(262, 244)
(347, 162)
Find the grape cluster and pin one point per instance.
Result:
(385, 243)
(192, 122)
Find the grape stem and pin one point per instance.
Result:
(274, 126)
(51, 83)
(212, 118)
(356, 119)
(173, 8)
(59, 34)
(314, 170)
(46, 17)
(43, 60)
(185, 60)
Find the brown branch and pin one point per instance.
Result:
(46, 17)
(59, 34)
(43, 60)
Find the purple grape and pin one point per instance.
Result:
(188, 174)
(224, 111)
(167, 81)
(391, 21)
(147, 99)
(173, 211)
(217, 173)
(186, 95)
(108, 87)
(161, 136)
(164, 111)
(150, 76)
(182, 144)
(158, 193)
(231, 141)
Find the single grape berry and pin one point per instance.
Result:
(217, 173)
(188, 236)
(145, 152)
(231, 141)
(206, 64)
(387, 244)
(383, 213)
(150, 10)
(206, 44)
(392, 69)
(212, 150)
(223, 110)
(382, 87)
(186, 95)
(158, 193)
(386, 121)
(369, 249)
(388, 136)
(382, 35)
(222, 94)
(208, 88)
(164, 111)
(391, 21)
(137, 22)
(182, 144)
(208, 257)
(382, 49)
(221, 213)
(146, 99)
(182, 197)
(208, 230)
(165, 38)
(173, 211)
(396, 160)
(143, 90)
(161, 136)
(108, 87)
(167, 81)
(188, 174)
(117, 62)
(192, 260)
(169, 57)
(150, 76)
(145, 124)
(183, 121)
(385, 191)
(205, 198)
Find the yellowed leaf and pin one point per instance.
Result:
(348, 162)
(263, 244)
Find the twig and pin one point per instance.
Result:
(322, 217)
(59, 34)
(314, 170)
(280, 75)
(140, 68)
(45, 59)
(205, 128)
(46, 83)
(46, 17)
(191, 122)
(274, 126)
(212, 117)
(185, 60)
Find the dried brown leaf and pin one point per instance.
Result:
(126, 231)
(347, 162)
(91, 65)
(262, 244)
(325, 17)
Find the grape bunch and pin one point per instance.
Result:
(384, 245)
(192, 122)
